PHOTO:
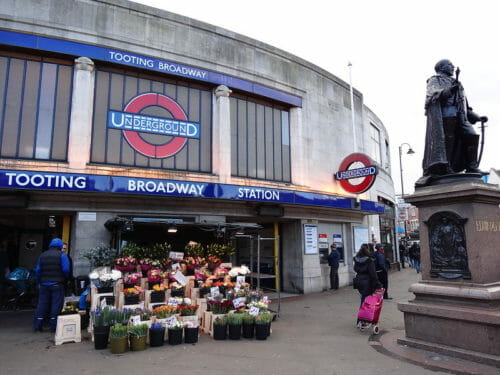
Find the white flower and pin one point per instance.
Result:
(93, 275)
(187, 301)
(115, 275)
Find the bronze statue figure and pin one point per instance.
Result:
(451, 144)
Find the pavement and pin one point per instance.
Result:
(315, 334)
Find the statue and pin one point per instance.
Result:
(451, 144)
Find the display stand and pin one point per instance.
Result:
(68, 329)
(258, 276)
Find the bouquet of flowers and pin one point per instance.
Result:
(186, 310)
(194, 249)
(190, 262)
(214, 260)
(103, 277)
(155, 275)
(219, 306)
(220, 272)
(135, 291)
(146, 264)
(126, 264)
(260, 304)
(162, 312)
(159, 287)
(177, 290)
(132, 278)
(199, 275)
(166, 264)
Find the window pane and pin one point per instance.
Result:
(46, 103)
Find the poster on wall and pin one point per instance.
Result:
(310, 239)
(360, 237)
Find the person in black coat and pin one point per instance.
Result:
(333, 262)
(366, 281)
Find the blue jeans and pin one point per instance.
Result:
(417, 265)
(50, 304)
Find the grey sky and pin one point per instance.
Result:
(393, 46)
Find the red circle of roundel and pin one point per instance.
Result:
(136, 105)
(367, 181)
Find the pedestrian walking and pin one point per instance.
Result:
(402, 253)
(366, 280)
(333, 262)
(416, 256)
(382, 268)
(52, 269)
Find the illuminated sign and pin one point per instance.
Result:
(368, 173)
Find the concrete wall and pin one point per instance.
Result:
(324, 120)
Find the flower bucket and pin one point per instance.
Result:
(261, 331)
(156, 337)
(175, 336)
(131, 300)
(191, 335)
(105, 289)
(119, 345)
(137, 343)
(234, 331)
(157, 296)
(248, 331)
(101, 337)
(177, 292)
(220, 332)
(110, 300)
(151, 284)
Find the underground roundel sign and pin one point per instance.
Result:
(133, 123)
(365, 174)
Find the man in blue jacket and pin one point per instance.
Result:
(52, 269)
(333, 262)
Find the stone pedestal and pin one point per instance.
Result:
(456, 310)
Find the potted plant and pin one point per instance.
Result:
(191, 332)
(118, 338)
(131, 295)
(220, 306)
(175, 333)
(146, 264)
(156, 334)
(220, 328)
(248, 325)
(234, 322)
(263, 325)
(138, 335)
(102, 319)
(100, 256)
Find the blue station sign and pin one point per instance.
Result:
(31, 180)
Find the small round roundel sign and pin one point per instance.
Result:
(366, 174)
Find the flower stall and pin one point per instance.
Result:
(154, 295)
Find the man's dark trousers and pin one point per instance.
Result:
(334, 277)
(50, 299)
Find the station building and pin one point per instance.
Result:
(120, 122)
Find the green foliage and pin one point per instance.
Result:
(135, 251)
(158, 251)
(194, 249)
(264, 318)
(248, 319)
(234, 319)
(118, 331)
(220, 321)
(103, 317)
(100, 256)
(219, 251)
(138, 330)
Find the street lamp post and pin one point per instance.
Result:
(409, 152)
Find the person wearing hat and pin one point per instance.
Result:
(382, 268)
(333, 262)
(52, 269)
